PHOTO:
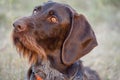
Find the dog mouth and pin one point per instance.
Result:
(27, 47)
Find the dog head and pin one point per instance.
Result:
(53, 26)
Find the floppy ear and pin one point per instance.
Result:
(80, 40)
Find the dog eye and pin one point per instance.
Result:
(37, 9)
(34, 11)
(53, 19)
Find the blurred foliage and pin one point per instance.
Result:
(103, 15)
(115, 3)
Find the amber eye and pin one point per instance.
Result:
(53, 19)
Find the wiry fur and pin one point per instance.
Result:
(54, 48)
(27, 47)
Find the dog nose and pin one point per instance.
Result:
(19, 26)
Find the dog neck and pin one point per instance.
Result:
(52, 47)
(69, 72)
(56, 62)
(46, 72)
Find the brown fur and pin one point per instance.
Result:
(57, 34)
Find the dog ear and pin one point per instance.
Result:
(80, 40)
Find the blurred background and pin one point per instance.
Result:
(104, 17)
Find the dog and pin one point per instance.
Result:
(53, 39)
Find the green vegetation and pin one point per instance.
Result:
(103, 15)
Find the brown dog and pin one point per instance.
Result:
(58, 36)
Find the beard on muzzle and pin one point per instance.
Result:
(27, 47)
